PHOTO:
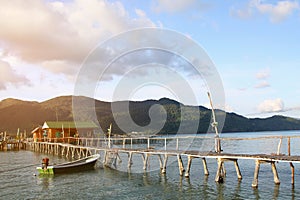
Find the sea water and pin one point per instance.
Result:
(19, 179)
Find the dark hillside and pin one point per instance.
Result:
(27, 115)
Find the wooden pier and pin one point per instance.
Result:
(12, 145)
(164, 148)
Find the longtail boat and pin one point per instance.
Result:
(83, 164)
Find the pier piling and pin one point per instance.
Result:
(111, 155)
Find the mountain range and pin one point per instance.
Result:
(164, 116)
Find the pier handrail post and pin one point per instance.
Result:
(289, 146)
(214, 124)
(165, 143)
(291, 164)
(279, 146)
(109, 133)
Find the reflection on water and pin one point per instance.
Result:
(45, 181)
(17, 171)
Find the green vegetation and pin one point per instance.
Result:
(179, 118)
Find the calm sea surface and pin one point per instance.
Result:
(18, 180)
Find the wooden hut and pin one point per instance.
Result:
(37, 134)
(63, 129)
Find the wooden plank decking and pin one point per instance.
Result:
(78, 151)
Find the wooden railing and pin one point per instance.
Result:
(280, 144)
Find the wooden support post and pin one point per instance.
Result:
(276, 178)
(256, 172)
(73, 153)
(68, 149)
(180, 165)
(279, 146)
(164, 169)
(293, 173)
(205, 167)
(62, 151)
(129, 160)
(188, 168)
(291, 164)
(237, 168)
(160, 162)
(219, 175)
(289, 146)
(148, 143)
(223, 169)
(105, 156)
(165, 144)
(145, 160)
(86, 152)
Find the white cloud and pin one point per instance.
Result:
(9, 76)
(262, 84)
(271, 105)
(263, 74)
(243, 13)
(277, 12)
(173, 6)
(45, 33)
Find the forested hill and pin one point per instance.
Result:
(27, 115)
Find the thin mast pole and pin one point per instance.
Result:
(214, 124)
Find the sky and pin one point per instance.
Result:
(254, 45)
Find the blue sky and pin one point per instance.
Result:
(254, 45)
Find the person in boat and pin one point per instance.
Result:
(45, 163)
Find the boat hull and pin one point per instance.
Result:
(71, 167)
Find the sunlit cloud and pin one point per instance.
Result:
(271, 105)
(175, 6)
(9, 77)
(276, 12)
(263, 74)
(63, 33)
(262, 84)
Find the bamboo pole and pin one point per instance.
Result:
(164, 169)
(219, 175)
(279, 146)
(215, 126)
(238, 171)
(189, 164)
(276, 178)
(256, 172)
(205, 167)
(180, 165)
(291, 164)
(160, 162)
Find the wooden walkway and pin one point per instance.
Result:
(12, 145)
(112, 152)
